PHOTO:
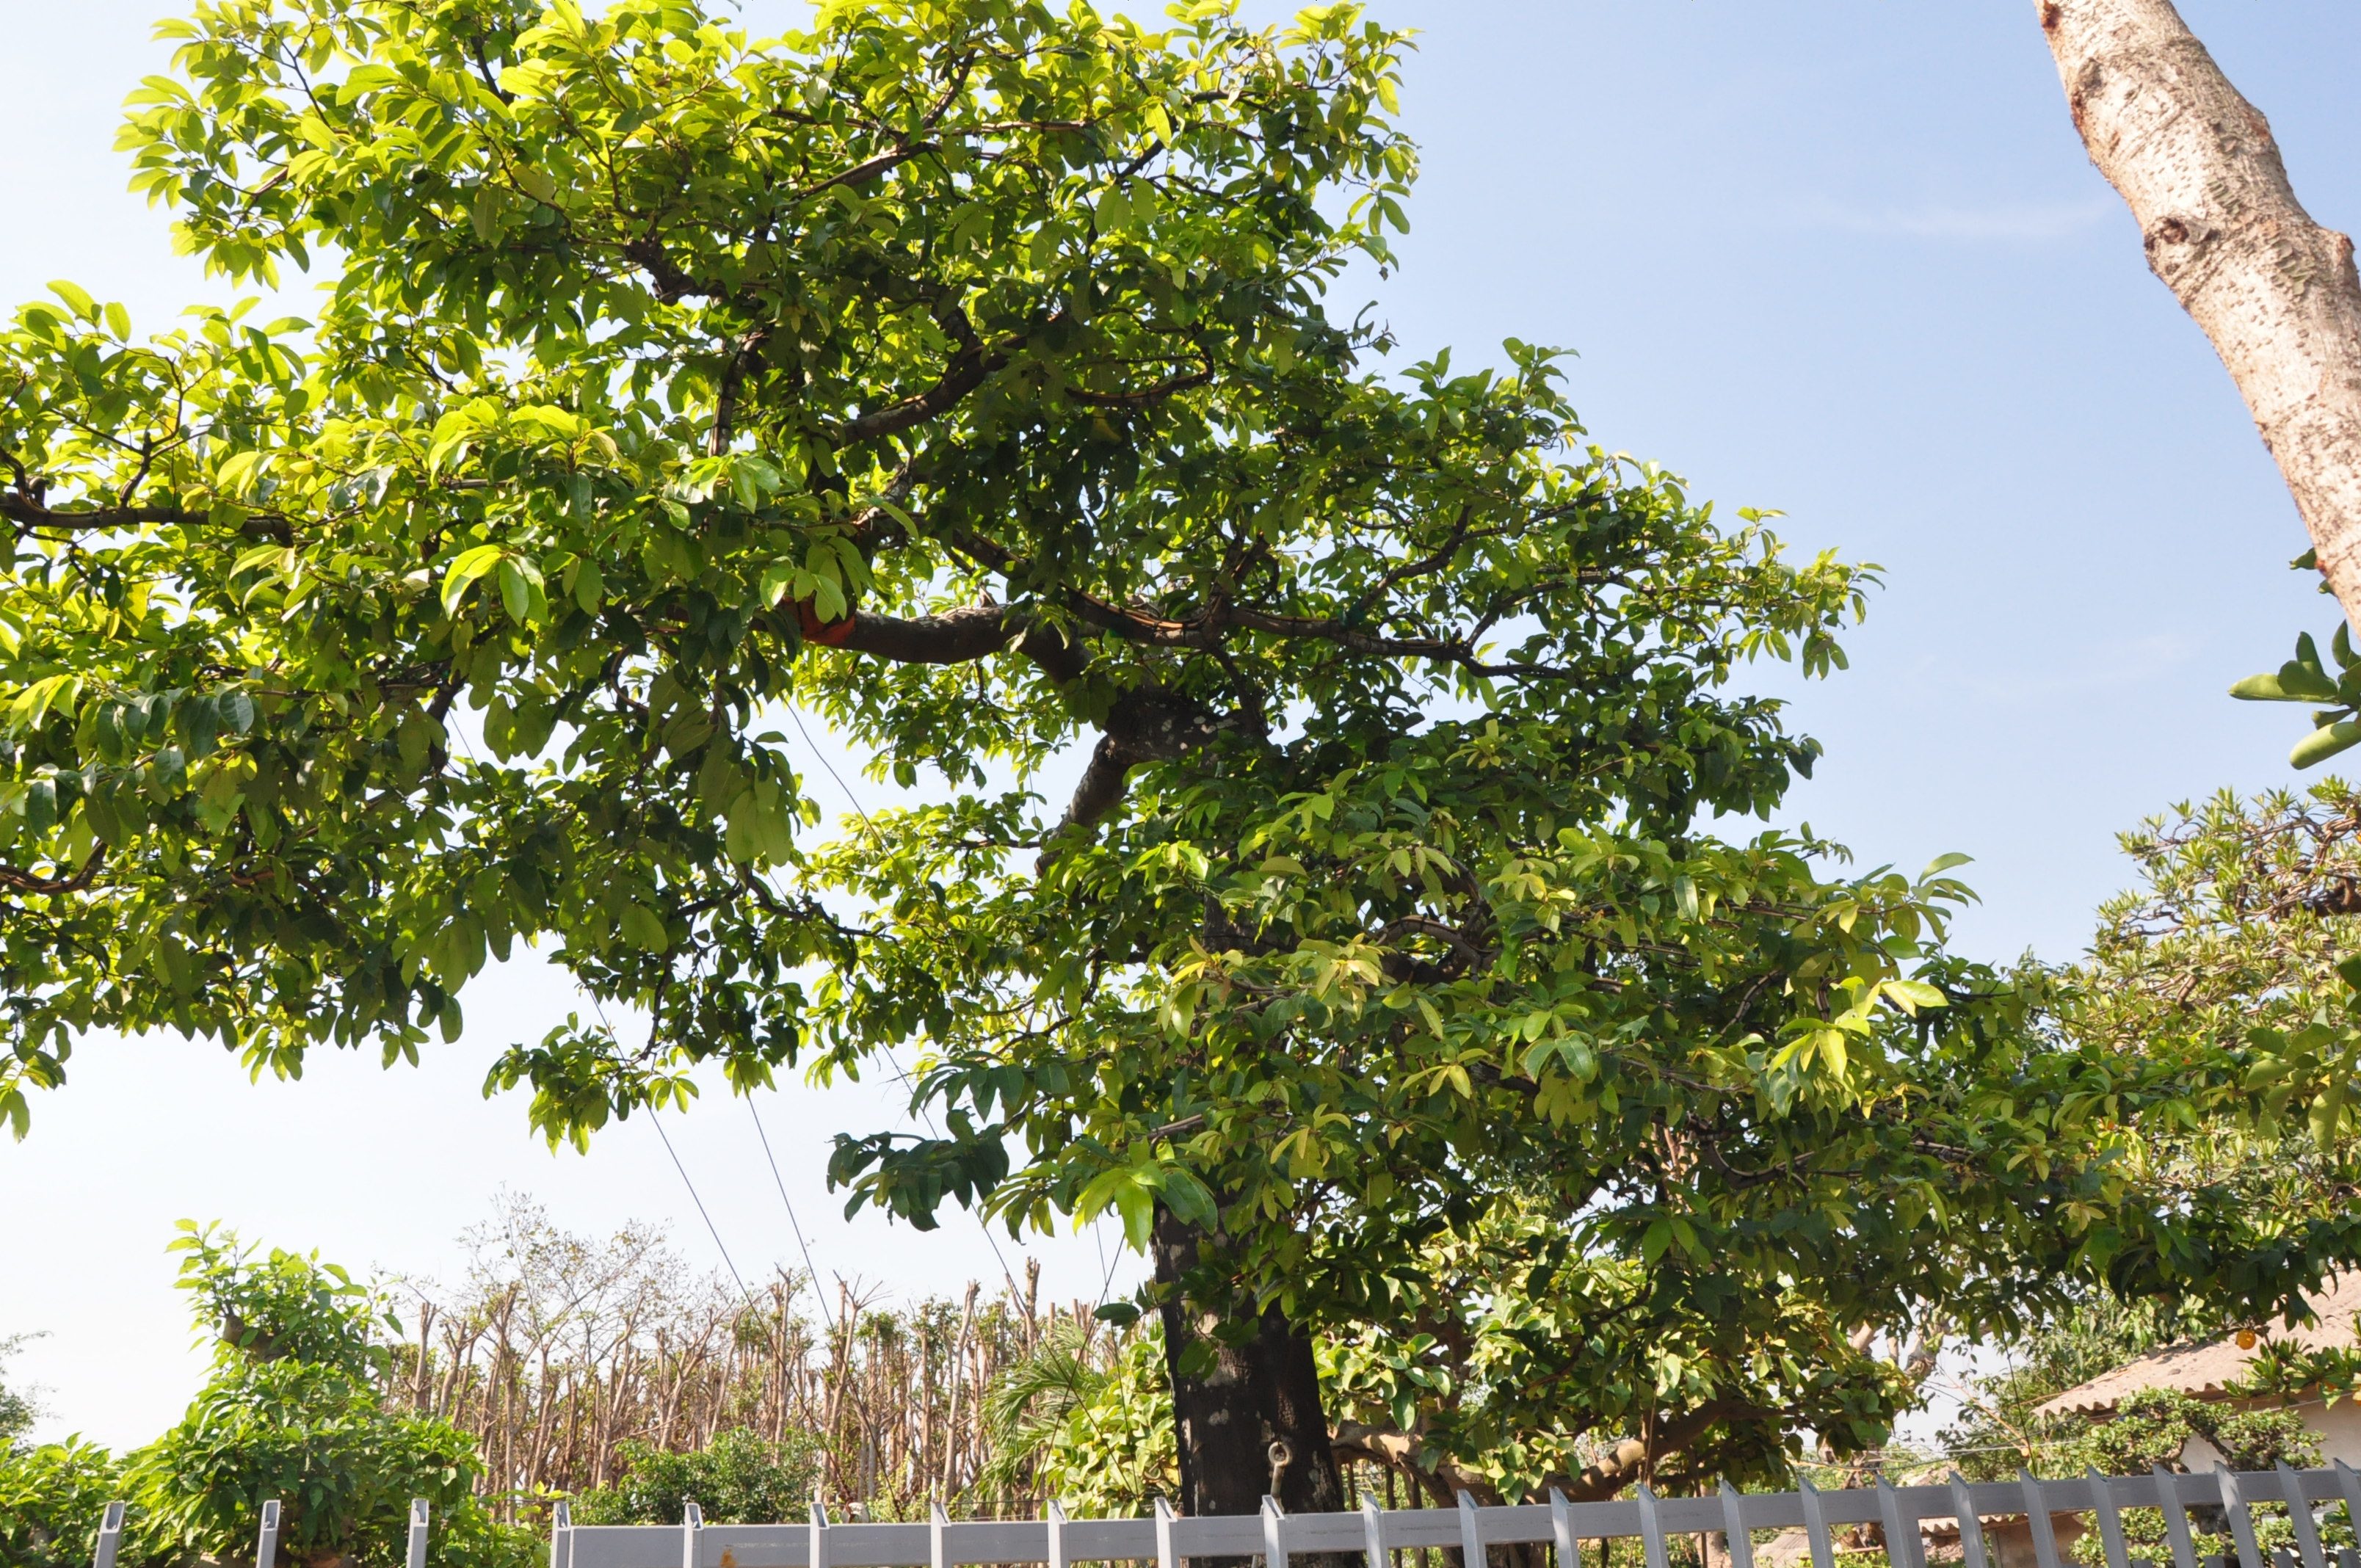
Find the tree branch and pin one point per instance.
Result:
(672, 285)
(967, 371)
(25, 881)
(2276, 293)
(962, 636)
(29, 513)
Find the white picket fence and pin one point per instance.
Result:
(265, 1545)
(1273, 1535)
(1902, 1514)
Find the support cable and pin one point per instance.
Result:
(802, 1246)
(982, 1225)
(658, 1121)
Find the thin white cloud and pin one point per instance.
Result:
(2008, 221)
(2115, 664)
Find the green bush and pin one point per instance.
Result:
(343, 1466)
(50, 1501)
(736, 1479)
(2153, 1425)
(1096, 1433)
(292, 1410)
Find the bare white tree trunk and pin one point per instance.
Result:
(2274, 291)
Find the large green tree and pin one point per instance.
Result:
(963, 371)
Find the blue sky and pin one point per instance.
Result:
(1841, 258)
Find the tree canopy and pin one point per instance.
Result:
(965, 373)
(2236, 947)
(654, 358)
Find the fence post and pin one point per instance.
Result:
(1054, 1526)
(2242, 1523)
(2176, 1519)
(2307, 1529)
(820, 1542)
(1373, 1531)
(1651, 1528)
(1815, 1523)
(938, 1551)
(561, 1535)
(2110, 1517)
(418, 1516)
(2349, 1483)
(2037, 1519)
(1165, 1556)
(1734, 1533)
(110, 1537)
(265, 1543)
(692, 1520)
(1274, 1549)
(1562, 1529)
(1901, 1534)
(1471, 1533)
(1972, 1528)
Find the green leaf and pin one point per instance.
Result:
(1189, 1199)
(77, 298)
(2305, 682)
(2325, 742)
(416, 734)
(469, 566)
(515, 597)
(1914, 995)
(1137, 1204)
(642, 928)
(589, 587)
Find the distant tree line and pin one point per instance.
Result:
(568, 1359)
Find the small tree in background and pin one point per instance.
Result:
(18, 1409)
(294, 1409)
(1087, 1423)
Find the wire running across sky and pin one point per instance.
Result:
(802, 1246)
(656, 1118)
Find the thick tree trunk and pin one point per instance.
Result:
(2274, 291)
(1247, 1414)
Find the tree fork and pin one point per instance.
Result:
(2276, 293)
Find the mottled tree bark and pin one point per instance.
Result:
(1249, 1421)
(2276, 293)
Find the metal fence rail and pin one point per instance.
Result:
(1901, 1512)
